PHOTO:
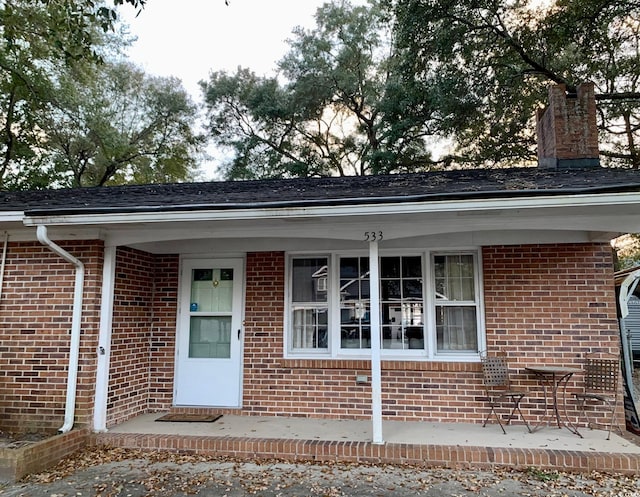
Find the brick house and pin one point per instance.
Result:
(255, 297)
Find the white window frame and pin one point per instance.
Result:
(429, 353)
(433, 304)
(290, 305)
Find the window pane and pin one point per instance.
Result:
(349, 267)
(355, 330)
(203, 275)
(412, 289)
(415, 335)
(210, 337)
(454, 277)
(402, 326)
(364, 289)
(390, 314)
(309, 280)
(392, 337)
(390, 289)
(350, 289)
(354, 325)
(456, 328)
(402, 307)
(390, 267)
(412, 267)
(355, 337)
(310, 329)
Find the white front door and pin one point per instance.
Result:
(208, 357)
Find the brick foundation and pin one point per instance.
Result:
(18, 462)
(455, 457)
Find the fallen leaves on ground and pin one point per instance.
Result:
(127, 472)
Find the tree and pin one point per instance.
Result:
(626, 250)
(64, 28)
(116, 125)
(484, 66)
(37, 38)
(334, 107)
(71, 116)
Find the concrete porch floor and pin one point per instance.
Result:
(420, 443)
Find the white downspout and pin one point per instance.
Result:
(74, 348)
(4, 260)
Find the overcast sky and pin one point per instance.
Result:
(191, 38)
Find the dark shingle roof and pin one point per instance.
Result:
(431, 186)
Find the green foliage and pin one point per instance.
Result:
(627, 251)
(543, 475)
(372, 88)
(68, 117)
(333, 109)
(59, 29)
(115, 125)
(484, 66)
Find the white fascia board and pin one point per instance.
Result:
(11, 216)
(369, 208)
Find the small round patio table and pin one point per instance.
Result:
(553, 378)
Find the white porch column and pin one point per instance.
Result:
(374, 316)
(104, 340)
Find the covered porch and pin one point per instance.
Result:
(420, 443)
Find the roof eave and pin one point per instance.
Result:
(310, 209)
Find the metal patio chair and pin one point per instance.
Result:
(497, 384)
(601, 373)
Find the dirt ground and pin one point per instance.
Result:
(127, 473)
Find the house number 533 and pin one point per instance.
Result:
(373, 236)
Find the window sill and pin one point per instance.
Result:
(387, 365)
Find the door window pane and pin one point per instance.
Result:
(212, 290)
(210, 337)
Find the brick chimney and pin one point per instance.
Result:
(567, 129)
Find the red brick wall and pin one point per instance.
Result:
(163, 332)
(567, 128)
(543, 303)
(130, 335)
(550, 302)
(266, 386)
(35, 323)
(143, 334)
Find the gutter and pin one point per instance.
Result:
(290, 210)
(74, 348)
(333, 202)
